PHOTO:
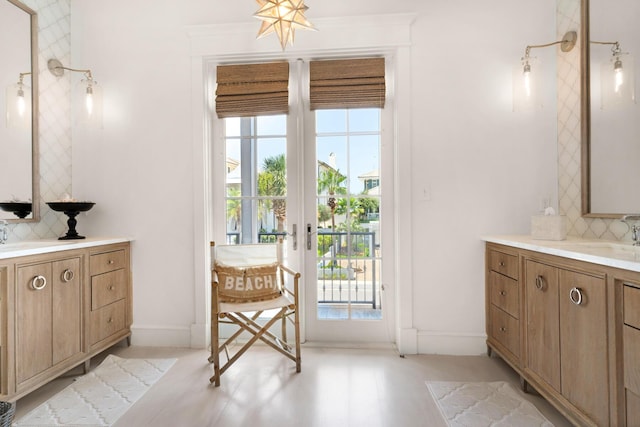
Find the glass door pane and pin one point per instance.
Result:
(348, 211)
(256, 179)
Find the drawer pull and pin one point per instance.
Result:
(110, 320)
(67, 275)
(110, 262)
(501, 264)
(540, 283)
(503, 329)
(503, 293)
(39, 282)
(575, 295)
(111, 287)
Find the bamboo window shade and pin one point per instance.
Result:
(247, 90)
(347, 83)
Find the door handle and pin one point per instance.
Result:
(294, 236)
(309, 234)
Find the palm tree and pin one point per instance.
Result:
(234, 205)
(272, 181)
(332, 181)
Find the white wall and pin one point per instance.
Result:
(486, 168)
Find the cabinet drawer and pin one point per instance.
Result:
(506, 330)
(631, 344)
(107, 321)
(107, 288)
(504, 263)
(504, 293)
(108, 261)
(632, 306)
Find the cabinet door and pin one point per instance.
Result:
(543, 328)
(33, 330)
(583, 331)
(67, 309)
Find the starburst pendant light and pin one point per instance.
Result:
(282, 17)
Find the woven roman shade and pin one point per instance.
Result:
(247, 90)
(347, 83)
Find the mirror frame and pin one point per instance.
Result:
(35, 111)
(585, 107)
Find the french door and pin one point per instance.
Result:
(321, 181)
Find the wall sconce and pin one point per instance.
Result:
(526, 75)
(617, 79)
(19, 104)
(87, 96)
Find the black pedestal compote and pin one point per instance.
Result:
(19, 209)
(71, 209)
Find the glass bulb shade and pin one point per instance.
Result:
(526, 74)
(88, 104)
(617, 82)
(18, 106)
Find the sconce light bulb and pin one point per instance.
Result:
(89, 100)
(21, 103)
(619, 74)
(526, 72)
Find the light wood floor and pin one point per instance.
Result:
(337, 387)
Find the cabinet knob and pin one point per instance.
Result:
(501, 264)
(503, 293)
(38, 283)
(67, 275)
(503, 329)
(110, 320)
(111, 287)
(110, 262)
(575, 295)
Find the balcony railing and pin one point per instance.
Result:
(348, 268)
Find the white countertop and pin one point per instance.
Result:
(35, 247)
(603, 252)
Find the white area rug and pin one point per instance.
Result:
(100, 397)
(484, 404)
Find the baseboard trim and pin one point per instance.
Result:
(451, 343)
(158, 336)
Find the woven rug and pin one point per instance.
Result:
(481, 404)
(100, 397)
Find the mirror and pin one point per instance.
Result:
(610, 136)
(19, 178)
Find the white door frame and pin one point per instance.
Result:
(223, 43)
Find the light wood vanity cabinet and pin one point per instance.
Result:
(49, 313)
(109, 290)
(503, 306)
(570, 336)
(566, 336)
(58, 309)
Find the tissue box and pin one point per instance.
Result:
(549, 227)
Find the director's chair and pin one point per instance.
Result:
(247, 281)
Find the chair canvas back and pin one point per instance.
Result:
(246, 255)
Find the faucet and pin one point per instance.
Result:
(635, 229)
(4, 233)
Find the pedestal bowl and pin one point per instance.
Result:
(71, 209)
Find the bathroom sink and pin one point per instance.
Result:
(616, 250)
(27, 245)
